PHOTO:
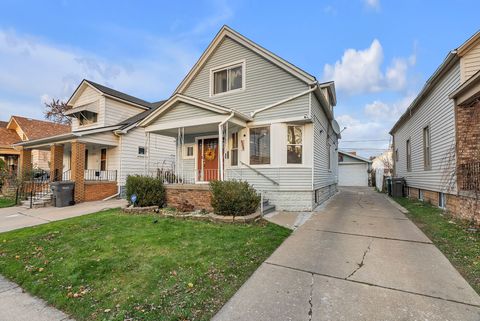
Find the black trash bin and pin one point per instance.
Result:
(398, 187)
(62, 193)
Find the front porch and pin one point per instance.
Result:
(90, 166)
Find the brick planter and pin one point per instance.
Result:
(97, 191)
(194, 196)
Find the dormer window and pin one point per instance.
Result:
(228, 78)
(87, 118)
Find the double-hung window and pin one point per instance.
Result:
(294, 144)
(228, 79)
(426, 148)
(260, 145)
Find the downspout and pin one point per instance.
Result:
(120, 153)
(220, 139)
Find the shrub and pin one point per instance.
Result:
(237, 198)
(150, 191)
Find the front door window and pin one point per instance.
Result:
(103, 159)
(207, 160)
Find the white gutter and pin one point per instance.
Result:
(220, 141)
(285, 100)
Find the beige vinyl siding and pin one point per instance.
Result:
(470, 62)
(89, 96)
(265, 82)
(182, 111)
(322, 176)
(116, 111)
(161, 153)
(436, 111)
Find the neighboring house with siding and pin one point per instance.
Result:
(436, 146)
(105, 144)
(244, 113)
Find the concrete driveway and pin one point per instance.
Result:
(12, 218)
(359, 258)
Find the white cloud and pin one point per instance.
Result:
(368, 134)
(360, 71)
(379, 110)
(33, 69)
(372, 4)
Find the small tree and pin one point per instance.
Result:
(55, 111)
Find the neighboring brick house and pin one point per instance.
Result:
(437, 140)
(21, 129)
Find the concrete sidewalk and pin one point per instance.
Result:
(359, 258)
(16, 305)
(12, 218)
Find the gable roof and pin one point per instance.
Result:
(191, 101)
(35, 129)
(8, 137)
(3, 124)
(360, 158)
(226, 31)
(111, 93)
(139, 117)
(467, 45)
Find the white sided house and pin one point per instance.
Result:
(105, 144)
(436, 140)
(244, 113)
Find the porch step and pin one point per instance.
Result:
(42, 201)
(267, 207)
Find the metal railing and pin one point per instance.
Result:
(469, 176)
(67, 175)
(34, 187)
(274, 182)
(186, 177)
(97, 175)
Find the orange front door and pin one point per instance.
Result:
(207, 159)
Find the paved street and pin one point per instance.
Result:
(358, 258)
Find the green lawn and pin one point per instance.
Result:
(114, 266)
(453, 237)
(6, 202)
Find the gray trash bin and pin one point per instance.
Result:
(398, 187)
(62, 193)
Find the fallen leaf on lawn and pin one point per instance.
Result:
(40, 269)
(17, 257)
(190, 285)
(107, 310)
(70, 295)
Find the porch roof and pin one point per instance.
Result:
(102, 136)
(198, 103)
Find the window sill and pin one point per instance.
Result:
(227, 93)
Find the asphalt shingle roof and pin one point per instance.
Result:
(35, 129)
(119, 94)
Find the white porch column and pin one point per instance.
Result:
(220, 149)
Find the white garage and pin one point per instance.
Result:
(353, 170)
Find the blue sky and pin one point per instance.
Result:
(379, 52)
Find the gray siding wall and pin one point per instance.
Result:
(160, 154)
(265, 82)
(322, 176)
(436, 111)
(298, 107)
(182, 111)
(116, 111)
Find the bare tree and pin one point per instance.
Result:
(55, 111)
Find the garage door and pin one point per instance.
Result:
(352, 175)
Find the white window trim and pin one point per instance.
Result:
(302, 144)
(232, 149)
(184, 151)
(248, 147)
(228, 66)
(144, 151)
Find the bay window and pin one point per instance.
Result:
(260, 145)
(294, 144)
